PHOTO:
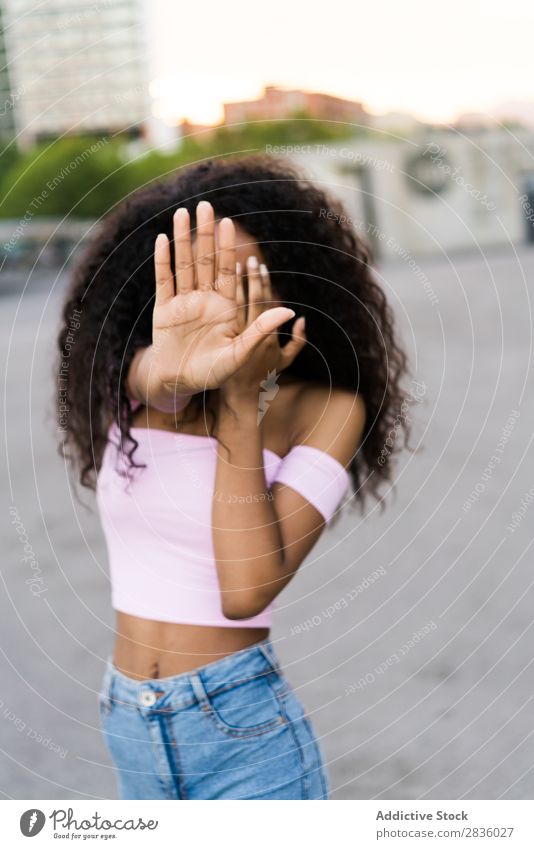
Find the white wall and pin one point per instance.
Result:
(475, 187)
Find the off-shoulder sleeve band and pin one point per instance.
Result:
(317, 476)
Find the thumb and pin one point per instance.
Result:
(296, 343)
(266, 323)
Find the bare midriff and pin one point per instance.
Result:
(145, 648)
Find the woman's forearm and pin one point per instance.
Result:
(246, 534)
(143, 387)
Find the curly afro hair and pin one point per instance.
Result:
(318, 266)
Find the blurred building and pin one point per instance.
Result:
(400, 123)
(278, 103)
(77, 67)
(7, 96)
(434, 191)
(202, 132)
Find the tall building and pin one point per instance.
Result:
(78, 66)
(7, 97)
(278, 103)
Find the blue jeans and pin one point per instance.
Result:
(232, 729)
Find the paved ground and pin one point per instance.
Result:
(447, 714)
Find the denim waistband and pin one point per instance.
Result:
(179, 691)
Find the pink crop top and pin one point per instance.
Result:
(158, 525)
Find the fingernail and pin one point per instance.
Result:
(182, 210)
(238, 268)
(252, 261)
(263, 268)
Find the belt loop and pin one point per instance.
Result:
(199, 690)
(267, 650)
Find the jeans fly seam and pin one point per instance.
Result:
(161, 757)
(173, 756)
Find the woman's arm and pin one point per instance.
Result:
(261, 537)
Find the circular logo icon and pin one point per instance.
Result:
(31, 822)
(427, 171)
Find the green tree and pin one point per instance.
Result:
(86, 177)
(80, 176)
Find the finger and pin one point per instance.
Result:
(183, 254)
(296, 343)
(240, 297)
(226, 259)
(205, 246)
(266, 284)
(256, 332)
(256, 302)
(162, 266)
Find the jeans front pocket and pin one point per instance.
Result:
(315, 776)
(243, 709)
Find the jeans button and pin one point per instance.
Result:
(148, 698)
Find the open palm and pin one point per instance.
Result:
(197, 339)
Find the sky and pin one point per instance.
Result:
(434, 60)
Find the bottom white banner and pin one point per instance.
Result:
(264, 825)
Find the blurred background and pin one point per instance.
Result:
(408, 632)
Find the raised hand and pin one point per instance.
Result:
(197, 339)
(268, 358)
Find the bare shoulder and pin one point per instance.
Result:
(328, 418)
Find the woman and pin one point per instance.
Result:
(221, 417)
